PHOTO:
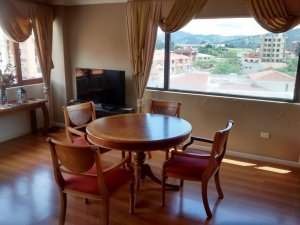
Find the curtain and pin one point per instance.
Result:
(42, 21)
(15, 25)
(180, 14)
(274, 15)
(143, 18)
(142, 23)
(17, 19)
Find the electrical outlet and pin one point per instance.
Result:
(265, 135)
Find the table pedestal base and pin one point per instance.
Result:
(141, 170)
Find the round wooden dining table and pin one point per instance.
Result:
(139, 132)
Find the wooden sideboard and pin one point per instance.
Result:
(31, 105)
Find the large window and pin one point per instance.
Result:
(23, 56)
(234, 57)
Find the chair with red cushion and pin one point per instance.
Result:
(198, 166)
(73, 165)
(76, 119)
(169, 108)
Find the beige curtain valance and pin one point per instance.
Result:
(18, 19)
(142, 24)
(14, 23)
(42, 18)
(223, 9)
(179, 14)
(275, 15)
(143, 18)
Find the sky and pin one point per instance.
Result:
(241, 26)
(228, 27)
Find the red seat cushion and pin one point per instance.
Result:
(82, 184)
(116, 179)
(113, 180)
(80, 141)
(197, 152)
(93, 170)
(187, 167)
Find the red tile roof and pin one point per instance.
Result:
(271, 75)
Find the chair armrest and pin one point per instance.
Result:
(77, 132)
(195, 138)
(191, 155)
(208, 140)
(116, 166)
(188, 155)
(80, 127)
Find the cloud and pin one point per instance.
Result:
(237, 26)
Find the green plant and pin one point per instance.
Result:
(7, 77)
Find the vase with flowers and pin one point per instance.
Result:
(7, 78)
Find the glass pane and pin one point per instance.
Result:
(235, 57)
(29, 59)
(6, 51)
(156, 78)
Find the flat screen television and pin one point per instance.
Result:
(105, 87)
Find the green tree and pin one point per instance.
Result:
(159, 45)
(172, 46)
(298, 49)
(291, 68)
(229, 54)
(209, 50)
(217, 51)
(226, 67)
(204, 64)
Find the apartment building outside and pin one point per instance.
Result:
(295, 47)
(6, 51)
(27, 57)
(272, 47)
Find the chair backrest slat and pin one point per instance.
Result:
(78, 115)
(76, 159)
(220, 142)
(169, 108)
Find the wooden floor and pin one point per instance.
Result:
(29, 196)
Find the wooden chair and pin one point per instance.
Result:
(169, 108)
(198, 166)
(73, 165)
(76, 119)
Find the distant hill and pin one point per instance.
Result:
(184, 38)
(293, 35)
(237, 41)
(188, 38)
(253, 41)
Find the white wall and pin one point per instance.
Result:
(92, 36)
(18, 124)
(210, 113)
(95, 36)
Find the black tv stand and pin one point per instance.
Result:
(103, 110)
(109, 110)
(108, 107)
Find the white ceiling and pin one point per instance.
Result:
(80, 2)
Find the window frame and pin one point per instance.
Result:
(19, 81)
(166, 87)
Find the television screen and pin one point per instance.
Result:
(106, 87)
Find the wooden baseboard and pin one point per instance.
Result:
(254, 157)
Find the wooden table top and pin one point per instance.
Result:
(14, 106)
(136, 131)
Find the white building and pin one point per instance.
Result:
(272, 47)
